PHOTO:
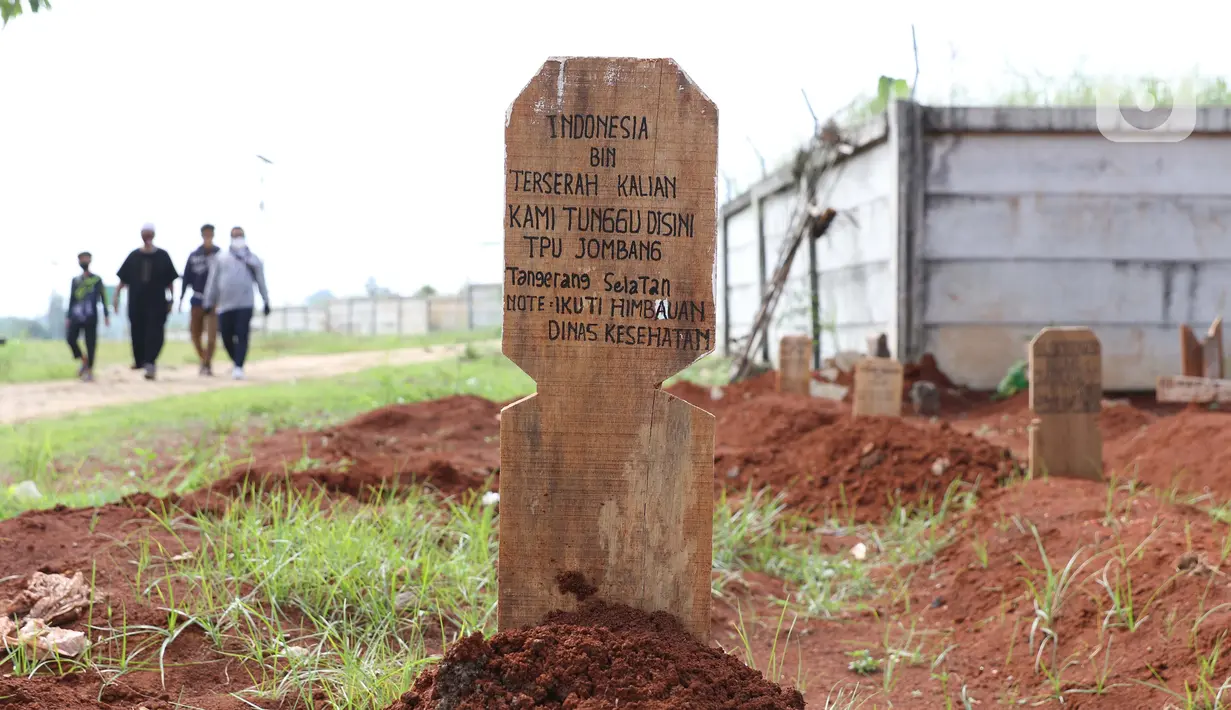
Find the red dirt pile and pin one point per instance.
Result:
(822, 458)
(601, 656)
(1191, 450)
(1182, 602)
(450, 444)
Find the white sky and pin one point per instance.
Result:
(385, 121)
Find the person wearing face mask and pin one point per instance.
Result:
(149, 275)
(228, 292)
(86, 297)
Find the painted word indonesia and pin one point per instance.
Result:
(589, 126)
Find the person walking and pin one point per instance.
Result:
(86, 296)
(228, 292)
(149, 275)
(203, 326)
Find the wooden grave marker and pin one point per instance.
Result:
(1066, 396)
(795, 364)
(1197, 390)
(878, 345)
(878, 388)
(1191, 353)
(606, 481)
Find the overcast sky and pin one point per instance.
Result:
(385, 121)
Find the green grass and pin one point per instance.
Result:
(102, 455)
(44, 360)
(117, 443)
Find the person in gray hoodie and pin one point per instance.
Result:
(228, 293)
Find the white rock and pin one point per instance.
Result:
(26, 490)
(827, 390)
(860, 551)
(491, 498)
(940, 465)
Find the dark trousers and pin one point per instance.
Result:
(89, 329)
(147, 323)
(233, 326)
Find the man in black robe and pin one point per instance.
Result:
(149, 274)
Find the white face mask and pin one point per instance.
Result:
(238, 243)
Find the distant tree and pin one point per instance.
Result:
(320, 298)
(55, 316)
(12, 8)
(377, 291)
(425, 292)
(38, 331)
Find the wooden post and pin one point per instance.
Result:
(878, 345)
(794, 364)
(878, 388)
(1066, 395)
(1191, 355)
(1197, 390)
(606, 481)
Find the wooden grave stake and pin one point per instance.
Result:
(878, 345)
(1196, 390)
(795, 364)
(878, 388)
(1191, 353)
(606, 481)
(1066, 396)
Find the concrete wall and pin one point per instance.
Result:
(476, 307)
(963, 231)
(856, 262)
(1025, 230)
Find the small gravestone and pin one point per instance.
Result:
(878, 388)
(606, 480)
(795, 364)
(1066, 395)
(1193, 390)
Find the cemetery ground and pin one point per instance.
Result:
(321, 543)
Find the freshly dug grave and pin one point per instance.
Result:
(601, 656)
(827, 462)
(451, 445)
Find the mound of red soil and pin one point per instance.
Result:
(822, 458)
(1191, 450)
(450, 444)
(601, 656)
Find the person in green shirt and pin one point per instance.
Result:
(86, 298)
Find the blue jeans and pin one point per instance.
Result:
(233, 326)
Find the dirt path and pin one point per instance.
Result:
(118, 385)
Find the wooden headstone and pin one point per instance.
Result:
(1196, 390)
(795, 364)
(878, 388)
(606, 481)
(1066, 396)
(1191, 353)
